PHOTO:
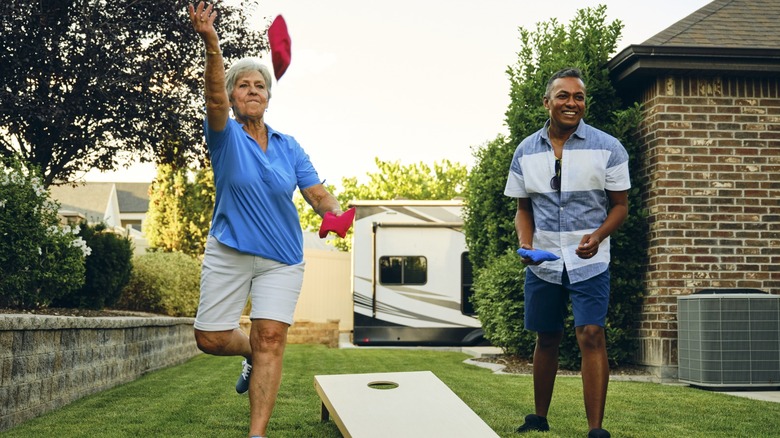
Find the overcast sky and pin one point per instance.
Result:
(409, 80)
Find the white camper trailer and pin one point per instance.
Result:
(411, 277)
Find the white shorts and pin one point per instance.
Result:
(228, 277)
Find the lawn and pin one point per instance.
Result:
(197, 399)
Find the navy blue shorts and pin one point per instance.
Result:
(546, 303)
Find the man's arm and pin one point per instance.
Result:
(618, 211)
(524, 226)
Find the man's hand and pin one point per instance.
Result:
(588, 247)
(527, 260)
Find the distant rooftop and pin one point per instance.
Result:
(133, 197)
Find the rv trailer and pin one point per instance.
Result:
(411, 276)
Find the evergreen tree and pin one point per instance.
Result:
(180, 210)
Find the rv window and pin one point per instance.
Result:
(403, 270)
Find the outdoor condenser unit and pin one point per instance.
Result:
(729, 338)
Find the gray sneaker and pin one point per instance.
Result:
(242, 385)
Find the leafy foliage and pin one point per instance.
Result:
(39, 259)
(392, 180)
(86, 84)
(163, 282)
(488, 214)
(108, 268)
(180, 210)
(585, 43)
(499, 302)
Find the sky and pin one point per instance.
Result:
(409, 80)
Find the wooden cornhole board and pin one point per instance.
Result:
(364, 406)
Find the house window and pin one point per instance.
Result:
(132, 223)
(403, 270)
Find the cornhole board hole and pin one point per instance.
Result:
(411, 404)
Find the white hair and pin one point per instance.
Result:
(242, 66)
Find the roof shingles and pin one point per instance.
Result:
(726, 23)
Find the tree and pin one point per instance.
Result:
(445, 180)
(488, 215)
(89, 84)
(586, 43)
(180, 210)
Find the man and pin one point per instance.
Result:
(571, 182)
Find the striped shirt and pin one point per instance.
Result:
(592, 162)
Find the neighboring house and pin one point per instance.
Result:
(133, 199)
(709, 87)
(117, 205)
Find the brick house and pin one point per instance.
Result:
(709, 86)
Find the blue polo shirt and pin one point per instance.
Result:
(253, 210)
(592, 162)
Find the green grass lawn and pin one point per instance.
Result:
(197, 399)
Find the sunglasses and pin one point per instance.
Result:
(555, 181)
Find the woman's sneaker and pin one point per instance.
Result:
(534, 423)
(242, 385)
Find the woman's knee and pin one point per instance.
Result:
(268, 335)
(211, 342)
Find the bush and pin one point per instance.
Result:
(498, 300)
(163, 282)
(39, 259)
(108, 269)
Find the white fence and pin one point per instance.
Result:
(327, 288)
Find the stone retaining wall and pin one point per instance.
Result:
(49, 361)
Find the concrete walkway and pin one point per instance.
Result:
(770, 395)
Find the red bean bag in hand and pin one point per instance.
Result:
(338, 224)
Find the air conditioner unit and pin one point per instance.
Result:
(729, 338)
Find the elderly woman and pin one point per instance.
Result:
(255, 246)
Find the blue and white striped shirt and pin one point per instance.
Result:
(592, 162)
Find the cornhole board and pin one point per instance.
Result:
(410, 404)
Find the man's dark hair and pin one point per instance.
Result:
(568, 72)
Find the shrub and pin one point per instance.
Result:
(39, 259)
(498, 300)
(108, 269)
(163, 282)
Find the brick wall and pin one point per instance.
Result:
(49, 361)
(712, 162)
